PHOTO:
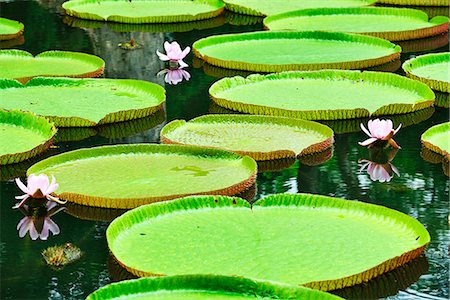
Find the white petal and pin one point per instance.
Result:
(365, 130)
(162, 57)
(22, 186)
(367, 142)
(182, 64)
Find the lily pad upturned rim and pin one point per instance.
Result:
(126, 203)
(86, 58)
(13, 23)
(324, 130)
(415, 2)
(146, 212)
(440, 23)
(424, 60)
(216, 4)
(387, 78)
(30, 121)
(295, 35)
(149, 88)
(436, 129)
(208, 282)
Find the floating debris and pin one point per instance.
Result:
(59, 256)
(131, 45)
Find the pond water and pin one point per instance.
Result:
(421, 190)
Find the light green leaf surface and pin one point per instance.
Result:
(437, 139)
(10, 29)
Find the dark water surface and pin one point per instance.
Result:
(421, 190)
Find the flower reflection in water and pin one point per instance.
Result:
(37, 220)
(174, 76)
(379, 166)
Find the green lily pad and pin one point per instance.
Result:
(144, 11)
(270, 7)
(394, 24)
(437, 139)
(126, 176)
(283, 51)
(10, 29)
(23, 135)
(322, 95)
(433, 69)
(260, 137)
(416, 2)
(22, 66)
(204, 287)
(83, 102)
(321, 242)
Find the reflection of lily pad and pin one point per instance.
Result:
(437, 139)
(260, 137)
(433, 69)
(394, 24)
(23, 135)
(321, 242)
(50, 63)
(93, 213)
(205, 287)
(442, 99)
(116, 272)
(275, 165)
(12, 43)
(145, 173)
(241, 20)
(83, 102)
(144, 11)
(322, 95)
(317, 158)
(10, 29)
(416, 2)
(283, 51)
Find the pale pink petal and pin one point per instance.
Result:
(21, 222)
(162, 57)
(22, 197)
(395, 170)
(162, 72)
(25, 227)
(367, 163)
(365, 130)
(52, 187)
(186, 74)
(50, 205)
(44, 233)
(167, 46)
(33, 232)
(22, 186)
(398, 128)
(52, 226)
(55, 199)
(182, 64)
(367, 142)
(21, 203)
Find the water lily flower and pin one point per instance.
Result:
(380, 130)
(174, 76)
(174, 54)
(38, 187)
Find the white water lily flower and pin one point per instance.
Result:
(380, 130)
(37, 187)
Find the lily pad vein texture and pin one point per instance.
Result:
(416, 2)
(322, 95)
(276, 51)
(205, 287)
(437, 139)
(320, 242)
(270, 7)
(10, 29)
(432, 69)
(126, 176)
(22, 66)
(394, 24)
(83, 102)
(144, 11)
(260, 137)
(23, 135)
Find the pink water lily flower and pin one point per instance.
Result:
(174, 53)
(174, 76)
(38, 187)
(380, 130)
(379, 172)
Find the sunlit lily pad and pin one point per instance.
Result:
(437, 139)
(260, 137)
(144, 11)
(433, 69)
(283, 51)
(23, 135)
(10, 29)
(416, 2)
(204, 287)
(126, 176)
(322, 95)
(394, 24)
(270, 7)
(22, 66)
(321, 242)
(83, 102)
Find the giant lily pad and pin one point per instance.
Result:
(10, 29)
(437, 139)
(284, 51)
(22, 66)
(322, 242)
(126, 176)
(23, 135)
(416, 2)
(83, 102)
(260, 137)
(322, 95)
(394, 24)
(433, 69)
(204, 287)
(270, 7)
(144, 11)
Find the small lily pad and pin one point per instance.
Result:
(83, 102)
(10, 29)
(437, 139)
(144, 11)
(432, 69)
(22, 66)
(23, 135)
(145, 173)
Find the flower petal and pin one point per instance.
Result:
(21, 203)
(52, 187)
(52, 226)
(55, 199)
(162, 56)
(22, 186)
(365, 130)
(398, 128)
(182, 64)
(367, 142)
